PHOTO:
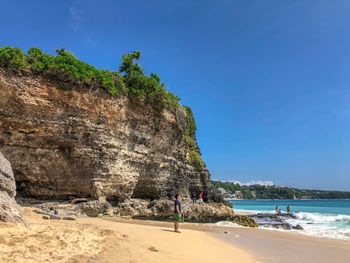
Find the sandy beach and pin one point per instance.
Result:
(271, 245)
(110, 240)
(128, 240)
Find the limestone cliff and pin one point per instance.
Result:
(83, 143)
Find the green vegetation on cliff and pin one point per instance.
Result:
(130, 79)
(190, 139)
(196, 160)
(190, 122)
(277, 192)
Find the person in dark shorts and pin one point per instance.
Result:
(193, 197)
(288, 209)
(177, 213)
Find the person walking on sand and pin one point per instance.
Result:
(193, 197)
(177, 213)
(288, 209)
(201, 197)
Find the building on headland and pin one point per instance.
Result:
(236, 195)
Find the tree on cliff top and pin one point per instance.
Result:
(138, 84)
(64, 52)
(128, 64)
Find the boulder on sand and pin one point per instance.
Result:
(245, 221)
(10, 211)
(298, 227)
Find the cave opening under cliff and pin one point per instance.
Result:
(144, 189)
(21, 184)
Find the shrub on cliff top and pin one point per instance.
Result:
(12, 57)
(66, 61)
(129, 80)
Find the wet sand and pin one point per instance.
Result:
(273, 246)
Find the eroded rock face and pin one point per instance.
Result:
(279, 221)
(7, 180)
(164, 209)
(65, 144)
(10, 211)
(139, 208)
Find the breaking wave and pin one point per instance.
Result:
(315, 224)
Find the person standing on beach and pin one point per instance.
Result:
(201, 197)
(276, 208)
(194, 197)
(177, 213)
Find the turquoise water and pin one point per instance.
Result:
(324, 218)
(341, 207)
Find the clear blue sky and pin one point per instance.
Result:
(268, 81)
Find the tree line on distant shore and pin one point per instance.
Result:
(277, 192)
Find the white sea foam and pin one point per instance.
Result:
(323, 218)
(252, 212)
(226, 224)
(315, 224)
(323, 225)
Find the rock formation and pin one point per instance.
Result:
(245, 221)
(159, 209)
(279, 221)
(10, 211)
(85, 143)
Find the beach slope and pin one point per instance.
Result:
(106, 240)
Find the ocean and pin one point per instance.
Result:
(322, 218)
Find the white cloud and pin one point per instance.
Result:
(76, 14)
(258, 182)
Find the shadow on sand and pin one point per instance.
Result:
(167, 230)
